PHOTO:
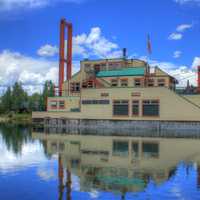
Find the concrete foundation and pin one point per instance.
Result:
(119, 127)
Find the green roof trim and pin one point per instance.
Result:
(135, 71)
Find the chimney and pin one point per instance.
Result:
(124, 53)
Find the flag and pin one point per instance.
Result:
(149, 49)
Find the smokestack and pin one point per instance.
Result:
(65, 58)
(124, 53)
(62, 56)
(69, 51)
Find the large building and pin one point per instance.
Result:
(122, 89)
(117, 89)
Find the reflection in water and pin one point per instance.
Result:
(96, 167)
(119, 164)
(14, 136)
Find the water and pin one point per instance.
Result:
(35, 165)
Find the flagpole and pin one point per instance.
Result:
(149, 51)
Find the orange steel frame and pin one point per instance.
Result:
(62, 61)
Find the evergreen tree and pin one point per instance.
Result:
(7, 101)
(19, 98)
(48, 91)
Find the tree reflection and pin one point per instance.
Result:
(14, 136)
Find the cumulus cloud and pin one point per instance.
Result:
(183, 27)
(31, 72)
(7, 5)
(196, 62)
(175, 36)
(31, 154)
(182, 2)
(87, 45)
(181, 72)
(47, 50)
(177, 54)
(95, 44)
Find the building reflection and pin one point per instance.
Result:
(117, 164)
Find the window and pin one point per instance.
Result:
(151, 82)
(114, 82)
(135, 107)
(53, 104)
(90, 84)
(161, 82)
(120, 148)
(62, 104)
(86, 102)
(150, 150)
(137, 82)
(135, 149)
(124, 82)
(151, 108)
(75, 87)
(120, 107)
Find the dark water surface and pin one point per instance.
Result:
(41, 166)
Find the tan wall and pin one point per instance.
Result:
(70, 102)
(172, 106)
(194, 98)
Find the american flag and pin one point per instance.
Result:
(149, 49)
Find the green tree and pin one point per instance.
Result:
(48, 91)
(19, 98)
(34, 102)
(7, 101)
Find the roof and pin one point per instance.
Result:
(135, 71)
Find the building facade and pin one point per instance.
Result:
(121, 89)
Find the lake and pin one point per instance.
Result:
(36, 164)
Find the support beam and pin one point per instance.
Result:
(65, 59)
(62, 55)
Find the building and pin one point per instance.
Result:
(122, 89)
(117, 89)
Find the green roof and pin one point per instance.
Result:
(135, 71)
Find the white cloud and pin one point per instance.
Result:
(47, 50)
(180, 72)
(32, 72)
(196, 62)
(183, 27)
(95, 44)
(175, 36)
(182, 2)
(177, 54)
(31, 154)
(17, 67)
(7, 5)
(46, 174)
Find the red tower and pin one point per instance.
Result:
(63, 58)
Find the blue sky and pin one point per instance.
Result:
(29, 35)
